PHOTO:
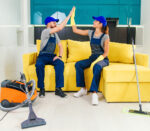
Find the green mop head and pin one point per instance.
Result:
(136, 112)
(139, 112)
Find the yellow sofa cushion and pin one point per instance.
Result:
(119, 72)
(120, 52)
(64, 44)
(78, 50)
(69, 77)
(49, 79)
(142, 59)
(126, 92)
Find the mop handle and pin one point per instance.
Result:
(139, 96)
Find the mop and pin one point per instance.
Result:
(140, 111)
(32, 120)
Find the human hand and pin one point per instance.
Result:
(100, 58)
(72, 11)
(55, 58)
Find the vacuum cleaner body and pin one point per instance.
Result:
(13, 93)
(16, 94)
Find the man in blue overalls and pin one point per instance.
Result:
(49, 39)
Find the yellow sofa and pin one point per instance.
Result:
(118, 80)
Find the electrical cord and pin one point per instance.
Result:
(4, 116)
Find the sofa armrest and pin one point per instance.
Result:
(28, 59)
(142, 59)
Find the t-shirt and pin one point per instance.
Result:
(105, 37)
(45, 37)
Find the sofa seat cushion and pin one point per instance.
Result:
(49, 76)
(119, 72)
(69, 77)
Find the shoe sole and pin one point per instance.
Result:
(60, 96)
(94, 104)
(41, 96)
(79, 96)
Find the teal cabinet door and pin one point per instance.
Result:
(129, 11)
(135, 14)
(85, 9)
(111, 11)
(109, 2)
(134, 2)
(123, 15)
(84, 14)
(41, 12)
(44, 2)
(98, 2)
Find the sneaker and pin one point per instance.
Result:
(59, 92)
(81, 92)
(42, 93)
(94, 99)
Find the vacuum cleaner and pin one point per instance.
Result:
(15, 94)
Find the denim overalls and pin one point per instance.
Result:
(46, 58)
(97, 50)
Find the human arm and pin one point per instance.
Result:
(63, 24)
(74, 28)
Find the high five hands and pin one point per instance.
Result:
(72, 17)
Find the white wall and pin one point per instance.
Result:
(10, 12)
(145, 21)
(14, 40)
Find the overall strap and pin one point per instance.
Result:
(92, 34)
(48, 42)
(101, 36)
(100, 39)
(54, 35)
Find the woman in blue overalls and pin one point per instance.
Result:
(99, 41)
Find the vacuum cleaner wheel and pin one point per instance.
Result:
(5, 103)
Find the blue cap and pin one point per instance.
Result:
(101, 19)
(50, 19)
